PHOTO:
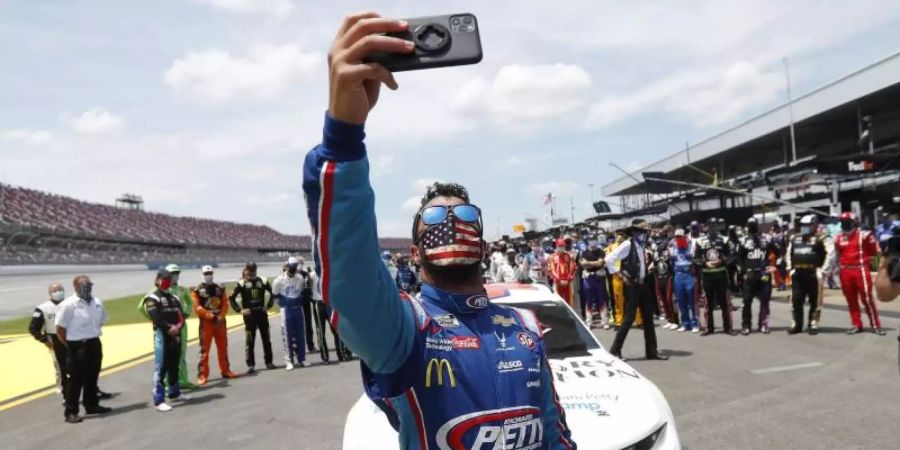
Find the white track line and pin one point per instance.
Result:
(787, 368)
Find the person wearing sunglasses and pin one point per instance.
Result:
(424, 360)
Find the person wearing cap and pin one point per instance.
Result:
(306, 301)
(617, 287)
(632, 268)
(713, 255)
(593, 292)
(79, 320)
(805, 257)
(755, 271)
(253, 308)
(166, 313)
(211, 305)
(288, 290)
(854, 250)
(561, 268)
(682, 262)
(184, 298)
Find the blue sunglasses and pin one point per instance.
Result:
(436, 214)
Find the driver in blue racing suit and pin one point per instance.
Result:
(450, 369)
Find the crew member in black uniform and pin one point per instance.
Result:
(805, 257)
(43, 328)
(252, 291)
(712, 255)
(735, 282)
(755, 274)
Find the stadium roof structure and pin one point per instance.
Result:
(827, 126)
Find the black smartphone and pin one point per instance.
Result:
(441, 41)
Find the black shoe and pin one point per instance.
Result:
(73, 418)
(103, 395)
(97, 410)
(707, 332)
(617, 355)
(251, 370)
(855, 330)
(793, 331)
(731, 332)
(813, 331)
(311, 349)
(745, 331)
(879, 331)
(271, 366)
(658, 357)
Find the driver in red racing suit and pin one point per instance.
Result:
(855, 249)
(451, 370)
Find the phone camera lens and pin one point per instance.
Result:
(467, 20)
(454, 21)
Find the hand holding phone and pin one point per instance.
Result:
(354, 85)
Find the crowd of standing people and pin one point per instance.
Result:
(71, 328)
(682, 276)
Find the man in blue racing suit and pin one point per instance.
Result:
(450, 369)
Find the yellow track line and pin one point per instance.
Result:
(126, 365)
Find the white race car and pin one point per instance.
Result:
(608, 404)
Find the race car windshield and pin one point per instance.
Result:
(564, 337)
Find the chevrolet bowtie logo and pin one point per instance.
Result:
(503, 321)
(440, 364)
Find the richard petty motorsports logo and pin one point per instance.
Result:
(516, 428)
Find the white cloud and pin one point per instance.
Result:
(97, 121)
(558, 188)
(513, 161)
(382, 165)
(412, 204)
(700, 97)
(274, 201)
(420, 184)
(27, 136)
(522, 93)
(634, 166)
(280, 8)
(256, 174)
(218, 77)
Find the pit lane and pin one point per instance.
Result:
(720, 399)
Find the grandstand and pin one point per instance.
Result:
(42, 228)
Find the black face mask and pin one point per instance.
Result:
(84, 290)
(846, 226)
(752, 228)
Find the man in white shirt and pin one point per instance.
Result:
(633, 269)
(78, 324)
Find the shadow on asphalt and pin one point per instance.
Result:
(822, 330)
(676, 353)
(201, 399)
(120, 410)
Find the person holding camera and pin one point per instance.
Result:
(425, 360)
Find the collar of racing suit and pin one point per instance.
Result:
(455, 303)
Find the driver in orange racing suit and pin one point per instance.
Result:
(211, 306)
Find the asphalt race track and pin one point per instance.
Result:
(20, 293)
(830, 391)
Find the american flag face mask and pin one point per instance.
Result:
(452, 236)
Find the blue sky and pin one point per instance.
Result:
(206, 107)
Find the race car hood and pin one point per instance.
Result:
(607, 403)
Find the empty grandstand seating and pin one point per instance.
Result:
(50, 228)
